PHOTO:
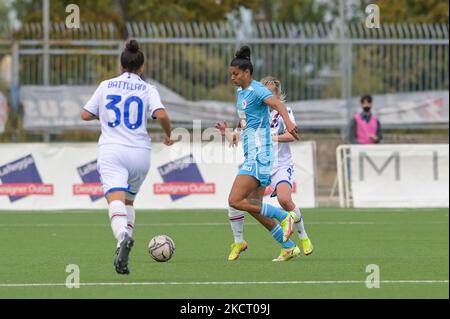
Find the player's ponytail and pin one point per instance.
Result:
(131, 58)
(242, 59)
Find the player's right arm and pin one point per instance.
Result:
(86, 116)
(231, 136)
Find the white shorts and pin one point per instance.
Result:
(122, 168)
(282, 174)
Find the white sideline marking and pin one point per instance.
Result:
(314, 282)
(174, 224)
(218, 224)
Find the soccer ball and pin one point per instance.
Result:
(161, 248)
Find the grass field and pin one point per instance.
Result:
(410, 246)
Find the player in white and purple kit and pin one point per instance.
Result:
(122, 105)
(282, 167)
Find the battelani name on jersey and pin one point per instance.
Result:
(127, 85)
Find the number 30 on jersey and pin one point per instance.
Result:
(112, 105)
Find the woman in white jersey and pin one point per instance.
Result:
(123, 104)
(282, 167)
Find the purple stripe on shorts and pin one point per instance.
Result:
(237, 218)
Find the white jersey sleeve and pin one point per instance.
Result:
(92, 106)
(154, 102)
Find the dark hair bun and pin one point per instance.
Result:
(132, 46)
(243, 53)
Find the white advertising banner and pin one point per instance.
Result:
(184, 176)
(399, 175)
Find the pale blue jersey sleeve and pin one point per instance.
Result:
(262, 93)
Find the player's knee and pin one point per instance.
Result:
(129, 202)
(286, 202)
(233, 202)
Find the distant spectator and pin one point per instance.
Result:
(365, 128)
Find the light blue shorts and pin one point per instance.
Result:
(260, 171)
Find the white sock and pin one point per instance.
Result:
(300, 225)
(131, 219)
(118, 218)
(236, 218)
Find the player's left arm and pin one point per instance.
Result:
(286, 137)
(283, 138)
(163, 118)
(157, 111)
(278, 106)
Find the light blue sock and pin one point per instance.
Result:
(277, 233)
(288, 244)
(273, 212)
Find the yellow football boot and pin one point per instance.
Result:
(287, 225)
(307, 246)
(236, 249)
(288, 253)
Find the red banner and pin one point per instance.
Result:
(93, 189)
(24, 189)
(184, 188)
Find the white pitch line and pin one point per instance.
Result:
(174, 224)
(307, 282)
(212, 224)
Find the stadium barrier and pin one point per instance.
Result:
(57, 176)
(57, 108)
(393, 175)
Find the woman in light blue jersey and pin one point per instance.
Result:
(253, 102)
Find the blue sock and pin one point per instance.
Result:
(277, 233)
(273, 212)
(288, 244)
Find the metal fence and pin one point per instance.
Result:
(313, 61)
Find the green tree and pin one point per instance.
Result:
(295, 11)
(4, 11)
(413, 11)
(120, 12)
